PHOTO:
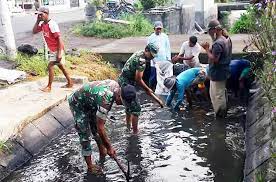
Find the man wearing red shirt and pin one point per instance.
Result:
(52, 37)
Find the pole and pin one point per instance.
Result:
(5, 23)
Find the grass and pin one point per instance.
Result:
(4, 146)
(139, 26)
(91, 65)
(87, 64)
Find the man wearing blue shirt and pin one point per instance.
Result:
(239, 80)
(164, 54)
(182, 82)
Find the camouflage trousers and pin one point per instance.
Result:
(85, 124)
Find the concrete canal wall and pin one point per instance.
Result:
(260, 140)
(34, 137)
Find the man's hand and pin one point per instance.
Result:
(38, 18)
(111, 152)
(59, 57)
(206, 46)
(175, 59)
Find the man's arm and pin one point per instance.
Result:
(168, 47)
(181, 96)
(60, 48)
(170, 98)
(104, 138)
(139, 80)
(213, 58)
(36, 27)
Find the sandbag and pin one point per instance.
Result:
(164, 69)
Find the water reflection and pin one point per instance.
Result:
(171, 147)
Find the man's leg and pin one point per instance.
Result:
(134, 120)
(128, 121)
(69, 81)
(96, 137)
(152, 80)
(51, 77)
(220, 106)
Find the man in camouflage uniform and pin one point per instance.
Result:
(132, 74)
(89, 106)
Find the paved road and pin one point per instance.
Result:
(24, 22)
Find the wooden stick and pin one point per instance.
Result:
(127, 174)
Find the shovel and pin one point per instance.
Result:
(126, 173)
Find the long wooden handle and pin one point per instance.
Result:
(122, 168)
(157, 99)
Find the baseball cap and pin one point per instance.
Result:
(152, 48)
(158, 24)
(42, 9)
(213, 24)
(128, 93)
(169, 82)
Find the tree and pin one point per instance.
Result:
(6, 26)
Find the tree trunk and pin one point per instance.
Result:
(6, 26)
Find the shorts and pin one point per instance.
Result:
(52, 57)
(132, 107)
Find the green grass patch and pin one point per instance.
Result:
(246, 23)
(4, 146)
(35, 65)
(139, 26)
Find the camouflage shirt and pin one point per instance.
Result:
(133, 64)
(97, 96)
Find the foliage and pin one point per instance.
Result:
(147, 4)
(264, 39)
(138, 5)
(35, 65)
(245, 23)
(87, 64)
(4, 146)
(139, 26)
(97, 3)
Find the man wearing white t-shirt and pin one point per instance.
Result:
(189, 53)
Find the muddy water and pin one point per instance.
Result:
(171, 147)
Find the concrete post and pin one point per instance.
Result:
(6, 26)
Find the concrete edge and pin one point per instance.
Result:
(259, 139)
(34, 137)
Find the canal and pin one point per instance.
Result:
(171, 147)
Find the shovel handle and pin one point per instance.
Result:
(120, 166)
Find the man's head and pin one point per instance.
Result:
(170, 82)
(201, 77)
(214, 29)
(43, 13)
(158, 26)
(128, 93)
(192, 41)
(150, 51)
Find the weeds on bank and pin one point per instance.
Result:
(87, 64)
(139, 26)
(91, 65)
(4, 146)
(261, 22)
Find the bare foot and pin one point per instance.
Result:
(68, 85)
(46, 89)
